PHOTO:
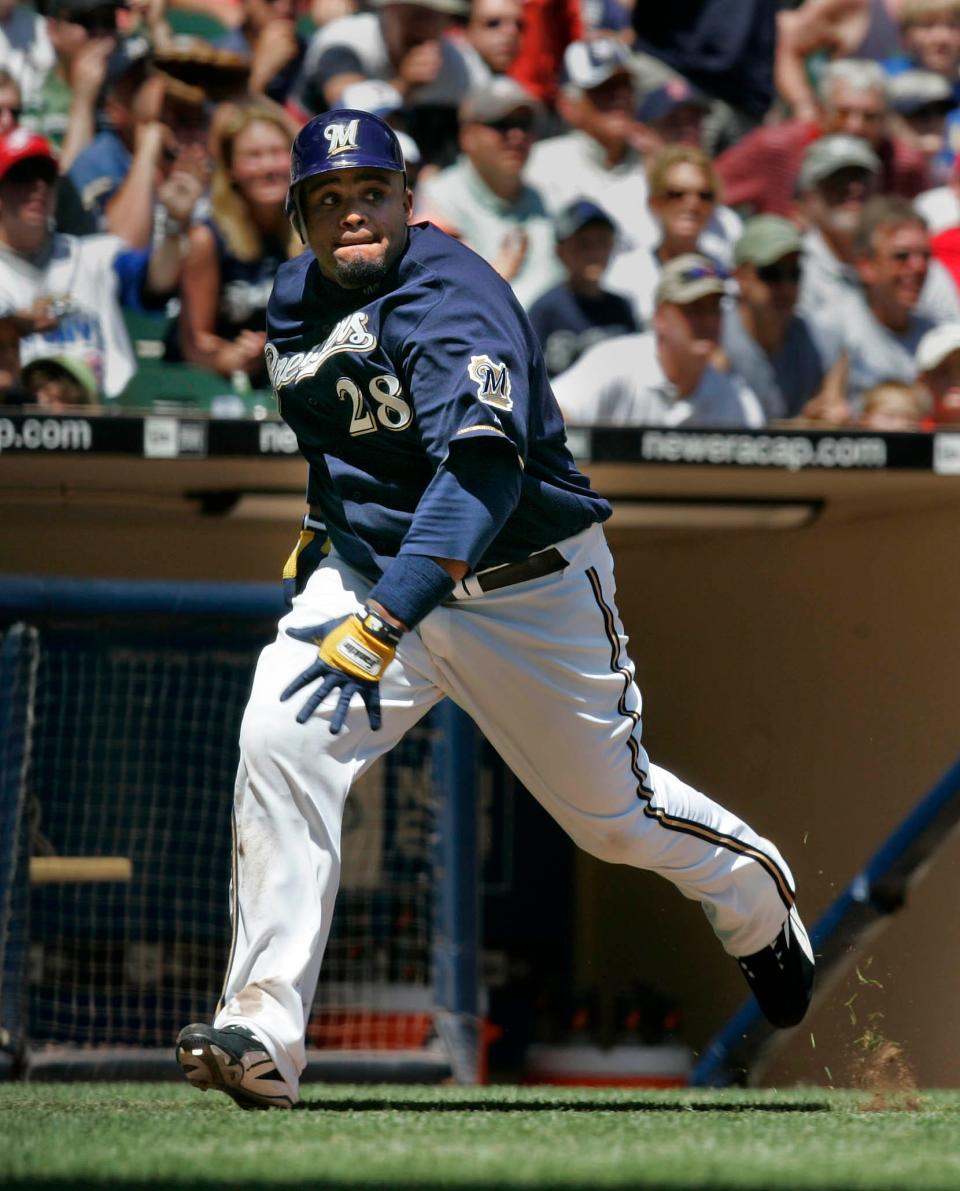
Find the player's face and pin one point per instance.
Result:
(356, 223)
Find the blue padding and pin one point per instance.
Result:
(54, 595)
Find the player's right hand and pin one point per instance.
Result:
(353, 652)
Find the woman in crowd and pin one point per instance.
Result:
(684, 197)
(234, 255)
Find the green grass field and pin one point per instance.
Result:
(75, 1136)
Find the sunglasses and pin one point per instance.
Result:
(780, 274)
(498, 22)
(510, 124)
(10, 110)
(97, 20)
(700, 272)
(705, 196)
(906, 254)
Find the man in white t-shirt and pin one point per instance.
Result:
(62, 293)
(663, 377)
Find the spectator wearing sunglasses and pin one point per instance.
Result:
(686, 217)
(482, 198)
(793, 363)
(490, 41)
(664, 376)
(838, 176)
(25, 49)
(883, 327)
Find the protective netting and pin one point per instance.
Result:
(132, 759)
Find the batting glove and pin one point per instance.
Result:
(354, 651)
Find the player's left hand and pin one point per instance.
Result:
(353, 652)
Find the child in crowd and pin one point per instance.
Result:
(892, 405)
(578, 313)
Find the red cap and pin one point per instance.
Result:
(21, 144)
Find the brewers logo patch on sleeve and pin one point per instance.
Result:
(492, 381)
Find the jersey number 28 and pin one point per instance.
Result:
(391, 411)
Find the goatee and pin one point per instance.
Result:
(359, 273)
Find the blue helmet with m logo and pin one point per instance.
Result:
(341, 139)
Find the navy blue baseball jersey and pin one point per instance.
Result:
(390, 390)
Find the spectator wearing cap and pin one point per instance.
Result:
(578, 313)
(482, 198)
(601, 158)
(837, 177)
(930, 43)
(663, 377)
(70, 215)
(490, 40)
(920, 102)
(794, 363)
(938, 371)
(684, 190)
(25, 49)
(675, 112)
(62, 293)
(401, 42)
(157, 143)
(58, 383)
(760, 172)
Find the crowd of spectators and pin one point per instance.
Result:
(730, 212)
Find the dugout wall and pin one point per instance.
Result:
(795, 627)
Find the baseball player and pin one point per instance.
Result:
(467, 559)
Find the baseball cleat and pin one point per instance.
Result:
(781, 975)
(232, 1060)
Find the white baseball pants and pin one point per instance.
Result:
(542, 669)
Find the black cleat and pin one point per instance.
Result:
(235, 1061)
(781, 975)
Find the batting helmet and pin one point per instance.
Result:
(343, 139)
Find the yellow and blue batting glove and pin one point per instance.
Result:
(353, 652)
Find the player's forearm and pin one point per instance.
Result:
(455, 568)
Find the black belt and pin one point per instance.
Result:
(544, 562)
